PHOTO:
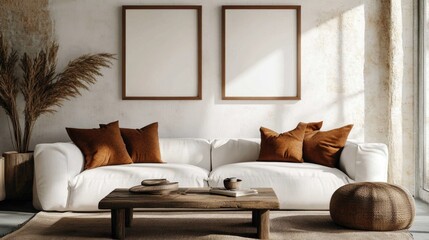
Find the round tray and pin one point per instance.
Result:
(164, 189)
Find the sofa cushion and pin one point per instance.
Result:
(233, 150)
(143, 144)
(298, 186)
(324, 147)
(89, 187)
(313, 126)
(364, 162)
(194, 151)
(284, 147)
(100, 146)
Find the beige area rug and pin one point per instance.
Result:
(193, 225)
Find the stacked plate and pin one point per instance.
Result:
(156, 187)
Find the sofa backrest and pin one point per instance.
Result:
(233, 150)
(193, 151)
(213, 154)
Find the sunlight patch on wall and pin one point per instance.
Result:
(270, 67)
(340, 64)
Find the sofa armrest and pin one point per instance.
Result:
(365, 162)
(55, 164)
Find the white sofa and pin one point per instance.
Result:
(60, 184)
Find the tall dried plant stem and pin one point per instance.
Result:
(17, 133)
(28, 130)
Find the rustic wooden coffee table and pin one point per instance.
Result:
(121, 202)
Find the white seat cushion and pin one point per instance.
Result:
(297, 185)
(90, 186)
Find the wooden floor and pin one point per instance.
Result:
(420, 228)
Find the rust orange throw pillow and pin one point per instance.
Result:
(325, 148)
(285, 147)
(143, 144)
(100, 146)
(313, 126)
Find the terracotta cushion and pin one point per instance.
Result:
(324, 147)
(100, 146)
(143, 144)
(313, 126)
(285, 147)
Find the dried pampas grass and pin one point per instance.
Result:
(42, 87)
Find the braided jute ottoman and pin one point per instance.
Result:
(372, 206)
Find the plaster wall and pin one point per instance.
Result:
(344, 74)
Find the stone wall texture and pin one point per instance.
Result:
(26, 25)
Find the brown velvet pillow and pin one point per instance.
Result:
(143, 144)
(102, 146)
(325, 148)
(285, 147)
(313, 126)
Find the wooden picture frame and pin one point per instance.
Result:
(161, 52)
(261, 52)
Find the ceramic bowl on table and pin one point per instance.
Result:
(232, 183)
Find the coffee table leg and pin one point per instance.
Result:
(118, 223)
(263, 224)
(128, 217)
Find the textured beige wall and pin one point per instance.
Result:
(409, 113)
(344, 72)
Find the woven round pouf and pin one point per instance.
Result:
(372, 206)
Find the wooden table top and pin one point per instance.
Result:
(189, 198)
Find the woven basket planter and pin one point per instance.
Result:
(372, 206)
